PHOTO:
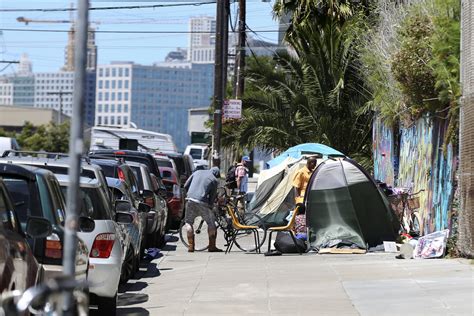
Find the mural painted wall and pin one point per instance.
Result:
(423, 165)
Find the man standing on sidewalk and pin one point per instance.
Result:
(201, 190)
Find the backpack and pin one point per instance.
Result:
(230, 180)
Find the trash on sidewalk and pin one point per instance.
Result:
(152, 253)
(432, 245)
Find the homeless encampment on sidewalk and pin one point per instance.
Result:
(344, 207)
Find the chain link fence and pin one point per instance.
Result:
(466, 132)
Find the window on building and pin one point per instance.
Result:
(112, 108)
(99, 96)
(120, 72)
(106, 84)
(99, 108)
(125, 96)
(112, 120)
(99, 120)
(126, 84)
(106, 120)
(113, 96)
(119, 120)
(127, 73)
(125, 108)
(119, 96)
(114, 72)
(119, 84)
(113, 84)
(106, 97)
(101, 72)
(119, 108)
(125, 120)
(107, 72)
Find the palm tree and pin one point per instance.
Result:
(311, 96)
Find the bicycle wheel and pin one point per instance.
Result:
(245, 238)
(201, 238)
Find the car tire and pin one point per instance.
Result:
(128, 267)
(107, 305)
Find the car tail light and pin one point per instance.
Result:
(121, 175)
(119, 153)
(102, 246)
(53, 247)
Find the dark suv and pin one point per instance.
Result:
(36, 193)
(19, 269)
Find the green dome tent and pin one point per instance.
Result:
(345, 207)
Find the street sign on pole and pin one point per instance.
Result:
(232, 109)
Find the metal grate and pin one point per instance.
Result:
(466, 132)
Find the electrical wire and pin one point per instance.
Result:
(134, 32)
(153, 6)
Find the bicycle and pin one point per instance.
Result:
(405, 205)
(244, 239)
(45, 299)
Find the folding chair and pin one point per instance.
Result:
(237, 226)
(288, 227)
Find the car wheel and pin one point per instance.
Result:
(107, 305)
(128, 266)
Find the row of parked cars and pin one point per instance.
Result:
(129, 200)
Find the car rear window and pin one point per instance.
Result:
(164, 163)
(138, 174)
(64, 170)
(196, 153)
(25, 198)
(93, 204)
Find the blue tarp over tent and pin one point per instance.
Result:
(304, 149)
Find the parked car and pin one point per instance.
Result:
(118, 169)
(58, 163)
(131, 264)
(158, 216)
(36, 193)
(200, 155)
(19, 269)
(108, 242)
(175, 198)
(184, 166)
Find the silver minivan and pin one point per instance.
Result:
(107, 243)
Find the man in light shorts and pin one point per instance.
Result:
(201, 193)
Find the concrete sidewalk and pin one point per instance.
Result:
(202, 283)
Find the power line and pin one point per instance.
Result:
(136, 32)
(112, 8)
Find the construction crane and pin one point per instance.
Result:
(27, 21)
(69, 51)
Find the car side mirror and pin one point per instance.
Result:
(147, 194)
(38, 227)
(124, 218)
(142, 207)
(86, 224)
(122, 206)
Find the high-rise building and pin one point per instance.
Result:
(6, 91)
(25, 68)
(202, 39)
(91, 51)
(155, 98)
(54, 90)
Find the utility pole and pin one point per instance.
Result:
(60, 93)
(76, 145)
(219, 79)
(240, 64)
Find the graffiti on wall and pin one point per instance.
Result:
(424, 164)
(383, 151)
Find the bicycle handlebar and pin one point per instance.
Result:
(37, 295)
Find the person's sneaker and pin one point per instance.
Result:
(214, 249)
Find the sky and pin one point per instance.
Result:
(46, 50)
